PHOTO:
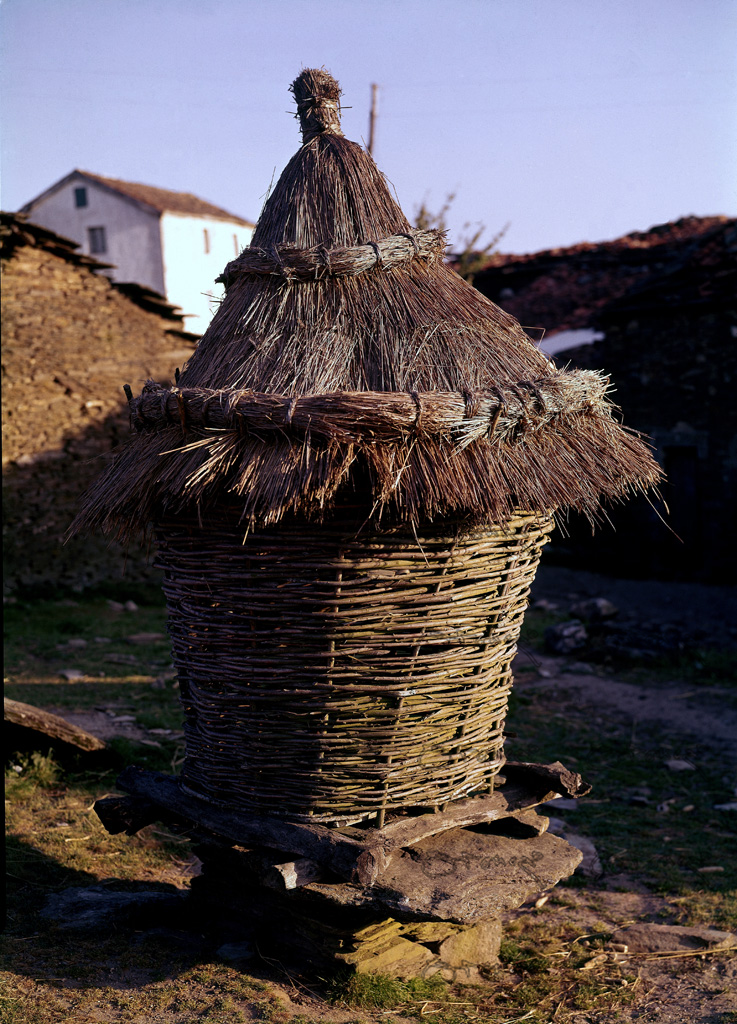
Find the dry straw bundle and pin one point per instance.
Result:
(353, 417)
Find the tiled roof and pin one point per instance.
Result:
(164, 199)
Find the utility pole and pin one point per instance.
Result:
(372, 117)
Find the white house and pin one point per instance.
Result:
(172, 242)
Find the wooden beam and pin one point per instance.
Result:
(404, 832)
(347, 857)
(127, 814)
(554, 776)
(32, 720)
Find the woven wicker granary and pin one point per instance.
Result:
(350, 486)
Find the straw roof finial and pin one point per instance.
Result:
(318, 102)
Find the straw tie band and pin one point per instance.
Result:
(508, 413)
(344, 261)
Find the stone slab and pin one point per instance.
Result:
(462, 876)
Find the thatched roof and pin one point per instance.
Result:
(344, 350)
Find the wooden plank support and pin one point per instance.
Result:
(404, 832)
(354, 854)
(555, 776)
(127, 814)
(351, 859)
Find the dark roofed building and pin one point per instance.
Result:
(661, 306)
(558, 292)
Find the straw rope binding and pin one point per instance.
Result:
(294, 264)
(329, 677)
(375, 415)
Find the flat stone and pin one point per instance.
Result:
(235, 952)
(590, 865)
(466, 877)
(145, 638)
(676, 764)
(477, 944)
(596, 609)
(97, 907)
(566, 637)
(667, 938)
(430, 933)
(561, 803)
(382, 949)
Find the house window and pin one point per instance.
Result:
(98, 242)
(206, 234)
(80, 197)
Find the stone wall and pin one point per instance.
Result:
(70, 342)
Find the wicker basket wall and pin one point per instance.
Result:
(330, 677)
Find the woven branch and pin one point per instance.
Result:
(362, 416)
(328, 676)
(314, 264)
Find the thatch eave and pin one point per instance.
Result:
(540, 446)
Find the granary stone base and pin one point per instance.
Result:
(303, 931)
(425, 948)
(423, 895)
(438, 916)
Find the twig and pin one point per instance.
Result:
(516, 1020)
(673, 955)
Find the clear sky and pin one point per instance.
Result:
(571, 119)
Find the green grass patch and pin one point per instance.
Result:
(380, 991)
(664, 842)
(43, 637)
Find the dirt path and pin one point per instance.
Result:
(700, 712)
(711, 610)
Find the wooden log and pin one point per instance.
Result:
(405, 832)
(347, 857)
(28, 720)
(555, 776)
(127, 814)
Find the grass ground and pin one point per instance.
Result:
(656, 831)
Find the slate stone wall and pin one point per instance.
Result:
(70, 341)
